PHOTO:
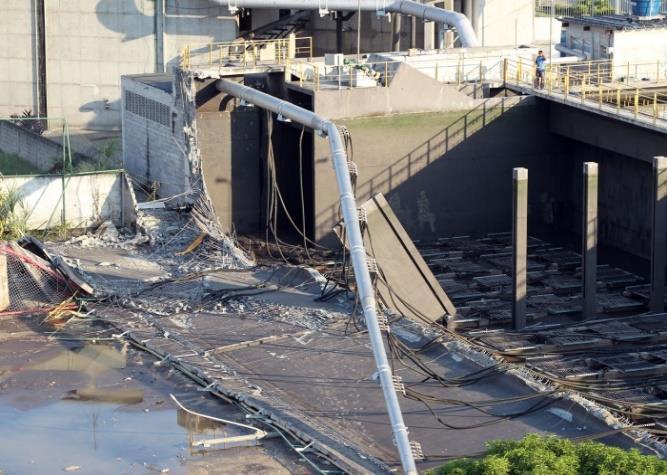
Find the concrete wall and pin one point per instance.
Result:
(408, 91)
(39, 151)
(90, 44)
(643, 47)
(88, 199)
(507, 23)
(154, 146)
(446, 174)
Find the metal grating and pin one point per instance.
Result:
(148, 108)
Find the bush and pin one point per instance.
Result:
(537, 455)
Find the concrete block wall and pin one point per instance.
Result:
(90, 44)
(88, 199)
(39, 151)
(154, 151)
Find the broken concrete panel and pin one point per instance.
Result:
(405, 283)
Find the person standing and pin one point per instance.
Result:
(540, 69)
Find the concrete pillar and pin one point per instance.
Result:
(159, 36)
(396, 20)
(659, 230)
(477, 16)
(429, 35)
(589, 241)
(519, 247)
(4, 284)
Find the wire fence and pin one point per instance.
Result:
(577, 8)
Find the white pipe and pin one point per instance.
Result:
(357, 252)
(406, 7)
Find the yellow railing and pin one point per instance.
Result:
(638, 89)
(247, 53)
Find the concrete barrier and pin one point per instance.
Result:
(79, 201)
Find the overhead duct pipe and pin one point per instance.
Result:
(348, 206)
(405, 7)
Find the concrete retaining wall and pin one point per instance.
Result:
(88, 200)
(39, 151)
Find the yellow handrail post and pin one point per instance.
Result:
(600, 92)
(567, 82)
(505, 66)
(618, 98)
(636, 102)
(583, 89)
(481, 72)
(655, 107)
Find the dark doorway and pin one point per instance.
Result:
(294, 179)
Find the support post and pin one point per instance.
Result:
(396, 32)
(589, 241)
(339, 32)
(159, 36)
(519, 247)
(659, 230)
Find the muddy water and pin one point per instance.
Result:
(92, 429)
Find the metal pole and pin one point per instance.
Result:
(348, 206)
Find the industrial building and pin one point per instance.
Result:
(380, 228)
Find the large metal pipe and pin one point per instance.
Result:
(406, 7)
(357, 252)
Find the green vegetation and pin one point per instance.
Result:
(536, 455)
(11, 164)
(13, 217)
(401, 121)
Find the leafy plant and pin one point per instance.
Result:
(28, 121)
(537, 455)
(13, 217)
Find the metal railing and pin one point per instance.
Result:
(246, 53)
(578, 8)
(638, 90)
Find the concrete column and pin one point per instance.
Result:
(160, 66)
(396, 19)
(4, 284)
(477, 16)
(429, 35)
(519, 247)
(589, 241)
(659, 230)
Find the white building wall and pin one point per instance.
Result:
(507, 23)
(17, 69)
(90, 44)
(644, 48)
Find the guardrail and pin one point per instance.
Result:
(246, 53)
(637, 89)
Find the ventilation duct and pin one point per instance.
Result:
(405, 7)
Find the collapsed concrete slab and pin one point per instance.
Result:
(405, 283)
